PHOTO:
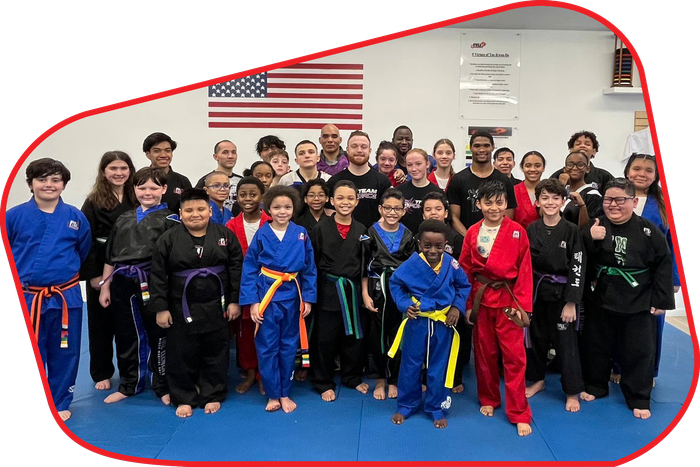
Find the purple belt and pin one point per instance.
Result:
(190, 274)
(140, 270)
(551, 278)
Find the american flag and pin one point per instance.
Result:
(302, 96)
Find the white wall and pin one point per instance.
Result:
(412, 81)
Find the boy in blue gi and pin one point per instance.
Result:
(217, 186)
(49, 240)
(279, 280)
(432, 307)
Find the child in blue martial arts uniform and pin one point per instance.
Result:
(432, 289)
(49, 240)
(279, 279)
(217, 186)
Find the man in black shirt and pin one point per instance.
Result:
(462, 191)
(587, 142)
(159, 149)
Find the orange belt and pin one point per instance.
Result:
(279, 278)
(40, 293)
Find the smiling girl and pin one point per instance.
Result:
(444, 154)
(532, 165)
(585, 202)
(417, 164)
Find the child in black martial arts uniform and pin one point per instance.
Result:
(337, 243)
(558, 269)
(390, 244)
(195, 275)
(631, 281)
(140, 342)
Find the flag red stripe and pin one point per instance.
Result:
(325, 66)
(295, 126)
(277, 75)
(290, 95)
(331, 116)
(289, 105)
(313, 86)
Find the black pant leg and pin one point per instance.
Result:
(598, 341)
(465, 349)
(327, 333)
(351, 361)
(100, 335)
(638, 354)
(181, 365)
(540, 339)
(156, 360)
(130, 337)
(213, 365)
(565, 340)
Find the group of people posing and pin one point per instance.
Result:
(394, 271)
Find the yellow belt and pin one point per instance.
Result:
(437, 315)
(279, 278)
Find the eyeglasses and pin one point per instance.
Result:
(619, 201)
(317, 196)
(578, 165)
(219, 186)
(393, 209)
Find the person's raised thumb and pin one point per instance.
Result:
(597, 222)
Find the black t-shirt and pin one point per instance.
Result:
(370, 186)
(462, 192)
(414, 203)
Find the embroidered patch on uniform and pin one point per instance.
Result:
(446, 404)
(302, 236)
(364, 237)
(177, 191)
(448, 249)
(562, 244)
(455, 264)
(222, 242)
(562, 326)
(173, 217)
(516, 234)
(647, 231)
(75, 225)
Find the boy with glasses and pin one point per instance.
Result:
(226, 156)
(630, 273)
(218, 188)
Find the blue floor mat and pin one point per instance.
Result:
(356, 427)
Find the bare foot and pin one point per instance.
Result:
(328, 396)
(272, 405)
(248, 381)
(442, 423)
(165, 399)
(641, 413)
(572, 403)
(534, 388)
(301, 374)
(398, 419)
(393, 391)
(103, 385)
(615, 378)
(363, 388)
(486, 410)
(587, 397)
(288, 405)
(459, 389)
(212, 407)
(261, 387)
(380, 390)
(524, 429)
(64, 414)
(115, 397)
(183, 411)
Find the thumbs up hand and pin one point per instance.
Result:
(597, 230)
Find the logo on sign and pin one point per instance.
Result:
(478, 45)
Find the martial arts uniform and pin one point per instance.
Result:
(514, 181)
(596, 177)
(48, 249)
(338, 327)
(220, 215)
(196, 278)
(426, 339)
(296, 179)
(244, 327)
(100, 320)
(508, 267)
(413, 202)
(279, 275)
(432, 178)
(140, 341)
(307, 220)
(526, 212)
(630, 271)
(558, 265)
(386, 251)
(593, 200)
(177, 183)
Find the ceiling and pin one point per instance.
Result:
(536, 17)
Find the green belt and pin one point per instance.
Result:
(349, 308)
(627, 273)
